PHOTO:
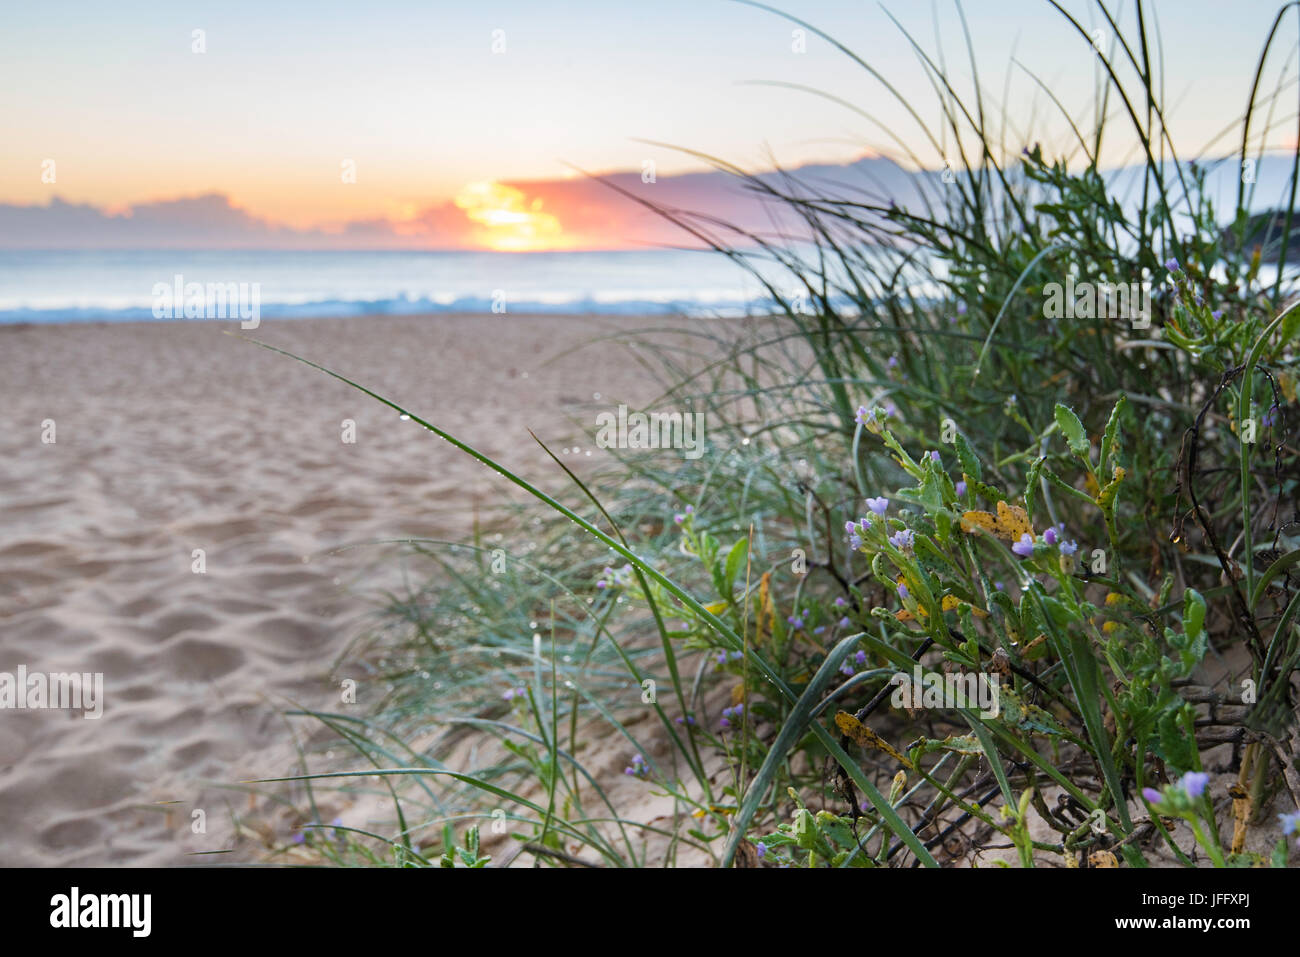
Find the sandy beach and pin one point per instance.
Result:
(174, 437)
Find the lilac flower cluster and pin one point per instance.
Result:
(731, 714)
(1054, 536)
(615, 577)
(872, 419)
(639, 768)
(1290, 824)
(1192, 784)
(851, 668)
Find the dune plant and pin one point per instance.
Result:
(915, 461)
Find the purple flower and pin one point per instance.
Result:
(690, 509)
(850, 528)
(854, 542)
(961, 308)
(730, 714)
(762, 850)
(1152, 795)
(847, 669)
(679, 518)
(1025, 547)
(866, 416)
(639, 768)
(721, 657)
(861, 659)
(1290, 822)
(819, 629)
(1194, 783)
(903, 539)
(795, 622)
(844, 622)
(878, 505)
(1049, 536)
(1217, 314)
(903, 592)
(602, 584)
(961, 488)
(841, 603)
(934, 456)
(893, 362)
(1000, 586)
(299, 837)
(1069, 548)
(1173, 266)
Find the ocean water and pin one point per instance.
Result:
(63, 286)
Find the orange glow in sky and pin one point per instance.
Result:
(508, 221)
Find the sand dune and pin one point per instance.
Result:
(174, 437)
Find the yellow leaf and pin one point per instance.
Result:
(738, 692)
(1010, 523)
(861, 735)
(1287, 383)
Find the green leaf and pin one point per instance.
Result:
(1193, 614)
(735, 558)
(1073, 431)
(970, 464)
(1175, 746)
(1110, 446)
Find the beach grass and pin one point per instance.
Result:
(913, 460)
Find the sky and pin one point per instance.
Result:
(448, 111)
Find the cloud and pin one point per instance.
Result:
(578, 213)
(609, 212)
